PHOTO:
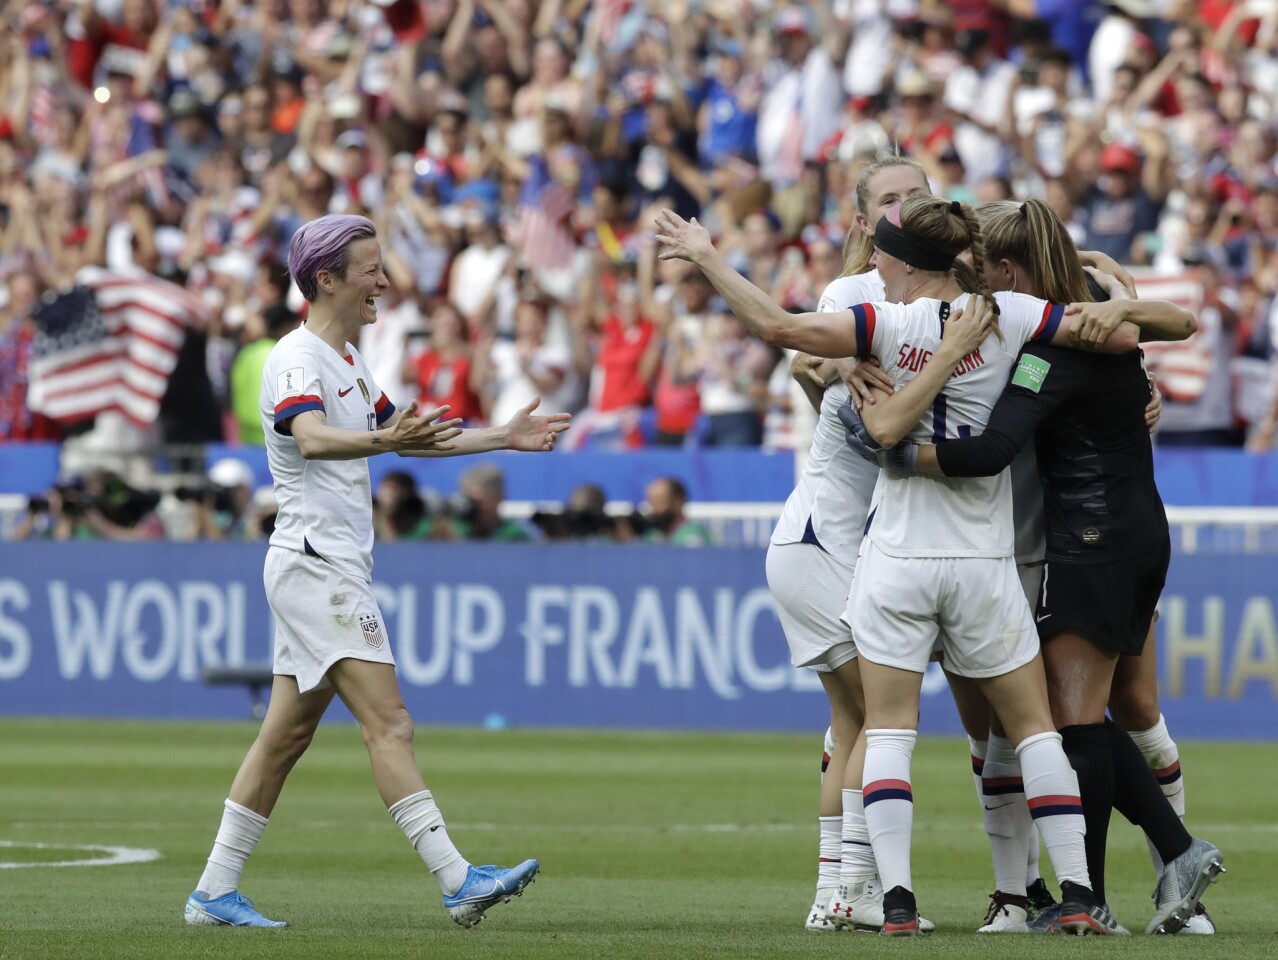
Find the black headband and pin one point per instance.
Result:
(909, 247)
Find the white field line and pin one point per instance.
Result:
(114, 855)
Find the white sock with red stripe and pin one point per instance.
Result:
(1051, 790)
(1159, 751)
(831, 852)
(857, 855)
(889, 803)
(1007, 818)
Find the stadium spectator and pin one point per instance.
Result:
(803, 96)
(400, 512)
(664, 520)
(1120, 210)
(619, 347)
(101, 506)
(583, 517)
(17, 422)
(246, 373)
(976, 93)
(442, 372)
(477, 515)
(508, 374)
(218, 509)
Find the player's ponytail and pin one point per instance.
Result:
(950, 227)
(971, 279)
(1032, 237)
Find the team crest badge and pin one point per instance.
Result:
(363, 388)
(372, 628)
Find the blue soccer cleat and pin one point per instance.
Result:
(229, 910)
(485, 887)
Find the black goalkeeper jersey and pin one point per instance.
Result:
(1087, 414)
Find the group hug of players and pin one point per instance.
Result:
(979, 491)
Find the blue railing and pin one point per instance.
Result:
(1185, 477)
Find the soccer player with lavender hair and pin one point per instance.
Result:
(323, 416)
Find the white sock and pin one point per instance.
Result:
(827, 750)
(889, 803)
(1007, 818)
(1032, 872)
(1159, 751)
(239, 833)
(423, 824)
(831, 852)
(857, 855)
(978, 748)
(1051, 790)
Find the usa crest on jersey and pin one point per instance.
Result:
(372, 628)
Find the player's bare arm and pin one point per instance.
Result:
(523, 431)
(1117, 326)
(405, 431)
(820, 334)
(891, 419)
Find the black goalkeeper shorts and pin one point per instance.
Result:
(1111, 604)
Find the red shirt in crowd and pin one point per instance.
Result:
(441, 381)
(617, 364)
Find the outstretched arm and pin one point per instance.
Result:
(522, 432)
(404, 432)
(820, 334)
(1117, 326)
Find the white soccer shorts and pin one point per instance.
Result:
(810, 589)
(322, 615)
(899, 606)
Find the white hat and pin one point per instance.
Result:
(1140, 9)
(230, 472)
(352, 138)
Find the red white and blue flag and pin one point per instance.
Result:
(546, 240)
(109, 343)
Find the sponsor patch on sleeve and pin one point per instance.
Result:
(1031, 372)
(290, 383)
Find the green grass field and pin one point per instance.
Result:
(653, 845)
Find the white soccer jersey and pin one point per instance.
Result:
(325, 506)
(948, 517)
(829, 504)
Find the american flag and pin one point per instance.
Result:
(41, 115)
(545, 206)
(108, 343)
(1182, 367)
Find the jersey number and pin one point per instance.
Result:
(372, 422)
(939, 408)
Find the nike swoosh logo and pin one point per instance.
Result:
(342, 393)
(1042, 618)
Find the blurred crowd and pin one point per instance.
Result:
(226, 505)
(512, 153)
